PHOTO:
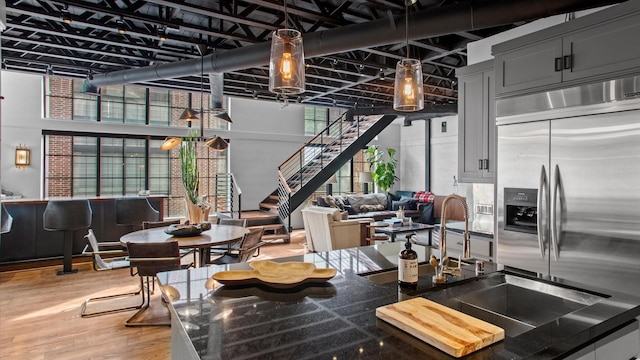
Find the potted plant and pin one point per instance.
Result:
(383, 168)
(197, 208)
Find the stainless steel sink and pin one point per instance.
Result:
(522, 304)
(514, 302)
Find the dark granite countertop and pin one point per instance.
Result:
(336, 320)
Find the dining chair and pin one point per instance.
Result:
(249, 244)
(231, 248)
(167, 223)
(146, 261)
(119, 261)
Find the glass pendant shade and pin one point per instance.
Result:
(408, 91)
(286, 64)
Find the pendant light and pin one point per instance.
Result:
(286, 63)
(216, 143)
(408, 91)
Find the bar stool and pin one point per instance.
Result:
(67, 216)
(132, 211)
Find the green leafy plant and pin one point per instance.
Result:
(189, 165)
(383, 168)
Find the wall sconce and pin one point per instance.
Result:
(23, 157)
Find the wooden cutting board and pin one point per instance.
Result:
(447, 329)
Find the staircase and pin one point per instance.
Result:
(312, 165)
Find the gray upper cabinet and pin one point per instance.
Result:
(529, 67)
(592, 48)
(476, 129)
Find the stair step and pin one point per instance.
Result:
(273, 197)
(269, 227)
(271, 207)
(286, 237)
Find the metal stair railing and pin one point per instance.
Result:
(227, 195)
(314, 156)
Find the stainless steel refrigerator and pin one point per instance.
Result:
(568, 184)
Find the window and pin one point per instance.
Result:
(317, 119)
(124, 104)
(78, 164)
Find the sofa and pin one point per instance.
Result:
(327, 230)
(421, 206)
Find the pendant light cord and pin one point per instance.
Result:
(406, 27)
(286, 16)
(201, 96)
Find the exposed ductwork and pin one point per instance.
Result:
(472, 15)
(216, 86)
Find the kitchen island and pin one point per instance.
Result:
(337, 319)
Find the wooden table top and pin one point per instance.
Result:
(217, 235)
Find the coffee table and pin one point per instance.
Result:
(395, 230)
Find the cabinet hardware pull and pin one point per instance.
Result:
(479, 164)
(568, 62)
(558, 63)
(486, 164)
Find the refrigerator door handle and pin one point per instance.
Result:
(558, 196)
(543, 196)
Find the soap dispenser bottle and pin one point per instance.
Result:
(408, 266)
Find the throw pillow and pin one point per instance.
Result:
(412, 204)
(336, 215)
(390, 199)
(345, 215)
(405, 203)
(321, 201)
(331, 202)
(340, 202)
(367, 208)
(425, 196)
(408, 194)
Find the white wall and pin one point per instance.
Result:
(413, 162)
(21, 124)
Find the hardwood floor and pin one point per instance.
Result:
(40, 313)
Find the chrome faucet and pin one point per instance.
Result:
(466, 245)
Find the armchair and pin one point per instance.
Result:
(326, 230)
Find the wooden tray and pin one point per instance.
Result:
(278, 275)
(447, 329)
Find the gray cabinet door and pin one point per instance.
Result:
(603, 49)
(477, 129)
(529, 67)
(470, 130)
(490, 126)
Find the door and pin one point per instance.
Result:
(528, 67)
(471, 129)
(523, 162)
(595, 200)
(603, 49)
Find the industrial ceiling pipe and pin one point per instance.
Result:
(468, 16)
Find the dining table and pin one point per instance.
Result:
(216, 236)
